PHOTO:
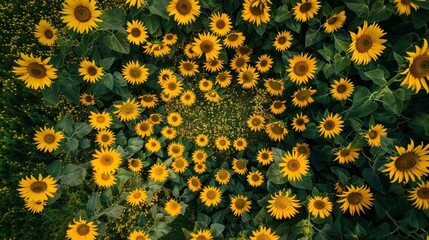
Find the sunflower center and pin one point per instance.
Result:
(364, 43)
(184, 7)
(240, 143)
(406, 2)
(211, 194)
(37, 70)
(345, 152)
(174, 118)
(302, 149)
(354, 198)
(82, 14)
(154, 144)
(319, 204)
(135, 72)
(49, 34)
(329, 125)
(332, 20)
(220, 24)
(101, 119)
(223, 174)
(257, 10)
(201, 237)
(305, 7)
(159, 171)
(144, 127)
(341, 88)
(293, 165)
(137, 195)
(105, 176)
(222, 142)
(255, 177)
(299, 122)
(206, 46)
(214, 63)
(281, 40)
(154, 118)
(240, 203)
(240, 164)
(49, 138)
(140, 237)
(406, 161)
(221, 77)
(135, 163)
(106, 160)
(92, 70)
(278, 104)
(199, 155)
(172, 86)
(88, 98)
(263, 63)
(240, 62)
(265, 156)
(247, 76)
(135, 32)
(127, 108)
(275, 85)
(281, 202)
(188, 66)
(244, 50)
(277, 129)
(263, 236)
(423, 193)
(420, 67)
(373, 134)
(169, 37)
(38, 186)
(195, 182)
(105, 138)
(303, 95)
(83, 229)
(300, 68)
(147, 98)
(175, 149)
(232, 37)
(180, 163)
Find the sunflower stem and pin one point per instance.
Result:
(392, 80)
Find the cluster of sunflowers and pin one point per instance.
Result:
(131, 67)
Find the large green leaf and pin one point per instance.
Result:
(274, 175)
(73, 175)
(362, 105)
(117, 42)
(113, 19)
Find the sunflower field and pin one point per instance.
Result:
(214, 119)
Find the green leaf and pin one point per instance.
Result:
(341, 44)
(71, 146)
(217, 229)
(326, 53)
(377, 76)
(261, 29)
(113, 19)
(54, 169)
(342, 174)
(394, 102)
(113, 212)
(362, 105)
(278, 154)
(66, 124)
(51, 95)
(73, 175)
(293, 25)
(159, 8)
(106, 62)
(72, 93)
(274, 175)
(356, 124)
(379, 12)
(304, 183)
(260, 218)
(283, 14)
(340, 63)
(65, 46)
(117, 42)
(107, 80)
(420, 122)
(82, 129)
(372, 179)
(94, 204)
(152, 22)
(361, 9)
(218, 217)
(313, 36)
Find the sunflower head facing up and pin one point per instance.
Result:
(82, 229)
(367, 44)
(342, 89)
(81, 15)
(420, 196)
(283, 205)
(417, 73)
(331, 126)
(355, 199)
(184, 11)
(306, 10)
(35, 72)
(256, 12)
(47, 139)
(404, 6)
(90, 71)
(45, 33)
(220, 24)
(302, 68)
(335, 22)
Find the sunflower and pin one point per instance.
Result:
(222, 176)
(158, 172)
(239, 62)
(137, 32)
(294, 166)
(331, 126)
(303, 149)
(183, 11)
(47, 139)
(134, 73)
(420, 196)
(174, 119)
(155, 118)
(306, 10)
(234, 40)
(347, 154)
(200, 167)
(256, 122)
(248, 77)
(165, 97)
(264, 233)
(302, 68)
(37, 189)
(222, 143)
(343, 89)
(105, 138)
(35, 206)
(276, 131)
(156, 49)
(240, 144)
(106, 161)
(100, 121)
(319, 206)
(255, 13)
(374, 135)
(212, 96)
(173, 207)
(244, 51)
(188, 98)
(202, 140)
(335, 22)
(104, 179)
(265, 156)
(264, 63)
(418, 68)
(224, 79)
(179, 164)
(202, 234)
(82, 230)
(35, 72)
(169, 132)
(275, 87)
(255, 178)
(367, 44)
(299, 122)
(175, 149)
(169, 39)
(211, 196)
(153, 145)
(239, 205)
(148, 100)
(283, 41)
(411, 163)
(128, 110)
(220, 24)
(207, 44)
(404, 7)
(194, 184)
(239, 166)
(136, 197)
(213, 65)
(205, 85)
(188, 68)
(189, 52)
(278, 107)
(302, 97)
(172, 87)
(87, 99)
(137, 4)
(138, 234)
(144, 128)
(355, 199)
(45, 33)
(283, 205)
(339, 187)
(199, 156)
(90, 72)
(81, 15)
(135, 164)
